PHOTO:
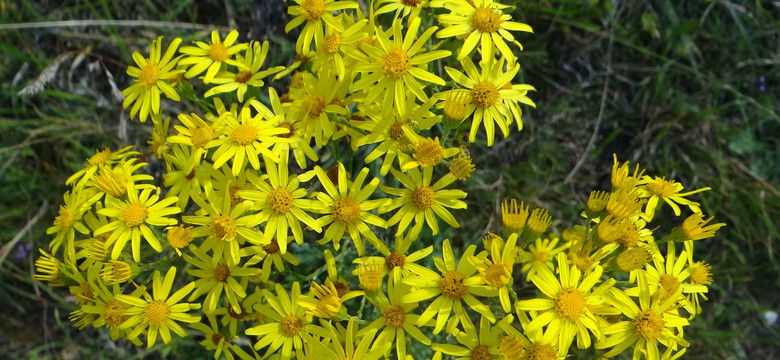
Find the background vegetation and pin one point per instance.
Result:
(686, 88)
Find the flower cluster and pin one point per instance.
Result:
(257, 176)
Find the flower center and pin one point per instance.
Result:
(481, 352)
(395, 260)
(113, 314)
(541, 256)
(648, 325)
(201, 136)
(221, 272)
(346, 210)
(662, 188)
(542, 352)
(316, 105)
(484, 94)
(451, 284)
(511, 347)
(429, 153)
(292, 325)
(570, 304)
(395, 63)
(331, 43)
(218, 52)
(243, 76)
(217, 338)
(411, 2)
(100, 157)
(669, 283)
(290, 130)
(701, 274)
(342, 288)
(486, 20)
(84, 293)
(423, 197)
(133, 214)
(498, 275)
(272, 247)
(629, 235)
(236, 314)
(66, 218)
(244, 134)
(280, 200)
(395, 316)
(223, 227)
(179, 236)
(397, 131)
(156, 313)
(150, 74)
(461, 168)
(312, 9)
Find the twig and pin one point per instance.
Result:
(7, 247)
(125, 23)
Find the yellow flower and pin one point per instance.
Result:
(214, 277)
(112, 181)
(196, 133)
(158, 144)
(396, 66)
(666, 275)
(183, 178)
(334, 44)
(484, 23)
(326, 302)
(650, 324)
(410, 8)
(392, 132)
(422, 202)
(211, 56)
(667, 190)
(215, 340)
(299, 144)
(270, 255)
(226, 226)
(514, 217)
(397, 320)
(248, 75)
(317, 14)
(48, 268)
(347, 209)
(622, 179)
(478, 346)
(246, 140)
(397, 263)
(455, 285)
(317, 100)
(701, 274)
(110, 311)
(567, 308)
(287, 323)
(428, 153)
(282, 206)
(496, 271)
(103, 157)
(694, 228)
(489, 99)
(348, 347)
(540, 254)
(461, 167)
(159, 312)
(67, 222)
(152, 76)
(131, 220)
